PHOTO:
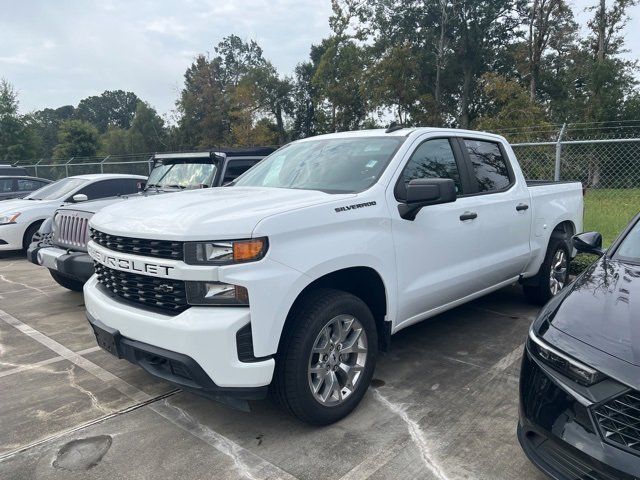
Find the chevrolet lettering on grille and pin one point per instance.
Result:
(129, 265)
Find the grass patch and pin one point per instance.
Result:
(606, 211)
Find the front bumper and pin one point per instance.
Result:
(558, 433)
(206, 335)
(76, 265)
(11, 236)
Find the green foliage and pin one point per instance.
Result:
(111, 108)
(46, 123)
(508, 105)
(76, 138)
(17, 138)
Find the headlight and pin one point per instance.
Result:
(9, 218)
(564, 364)
(225, 252)
(216, 293)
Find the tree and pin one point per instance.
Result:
(17, 139)
(508, 106)
(339, 79)
(110, 108)
(548, 21)
(46, 123)
(483, 29)
(273, 95)
(147, 132)
(204, 104)
(76, 138)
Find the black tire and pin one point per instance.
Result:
(538, 291)
(29, 234)
(290, 387)
(67, 282)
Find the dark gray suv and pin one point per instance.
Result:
(20, 186)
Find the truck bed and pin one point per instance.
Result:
(540, 183)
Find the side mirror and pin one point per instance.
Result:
(588, 242)
(80, 197)
(423, 192)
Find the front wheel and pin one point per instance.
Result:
(553, 275)
(327, 358)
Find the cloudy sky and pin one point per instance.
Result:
(58, 52)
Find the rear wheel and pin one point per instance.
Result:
(327, 357)
(67, 282)
(553, 275)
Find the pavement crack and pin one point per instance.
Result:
(416, 433)
(95, 403)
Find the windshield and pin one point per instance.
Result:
(629, 249)
(182, 175)
(338, 165)
(58, 189)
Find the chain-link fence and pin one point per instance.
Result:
(604, 157)
(54, 169)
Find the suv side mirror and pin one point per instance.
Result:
(423, 192)
(80, 197)
(588, 242)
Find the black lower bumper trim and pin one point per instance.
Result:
(563, 463)
(172, 367)
(77, 265)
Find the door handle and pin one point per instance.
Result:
(522, 206)
(468, 216)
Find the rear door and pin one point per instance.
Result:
(502, 204)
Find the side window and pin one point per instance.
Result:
(103, 189)
(235, 168)
(6, 185)
(432, 159)
(489, 166)
(27, 185)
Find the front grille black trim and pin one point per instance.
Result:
(618, 421)
(166, 295)
(167, 249)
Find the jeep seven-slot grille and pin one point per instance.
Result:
(72, 229)
(139, 246)
(619, 420)
(154, 292)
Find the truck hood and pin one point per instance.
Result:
(603, 310)
(208, 214)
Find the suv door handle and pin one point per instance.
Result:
(522, 206)
(468, 216)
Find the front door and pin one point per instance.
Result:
(437, 253)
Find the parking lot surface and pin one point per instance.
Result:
(443, 405)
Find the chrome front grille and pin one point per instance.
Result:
(619, 421)
(72, 229)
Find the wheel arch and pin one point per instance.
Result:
(363, 282)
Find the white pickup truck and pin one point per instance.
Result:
(296, 276)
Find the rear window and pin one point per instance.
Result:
(489, 166)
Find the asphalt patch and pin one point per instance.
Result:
(82, 454)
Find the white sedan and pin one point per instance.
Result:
(21, 218)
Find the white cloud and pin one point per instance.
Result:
(56, 53)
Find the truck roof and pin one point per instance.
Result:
(405, 132)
